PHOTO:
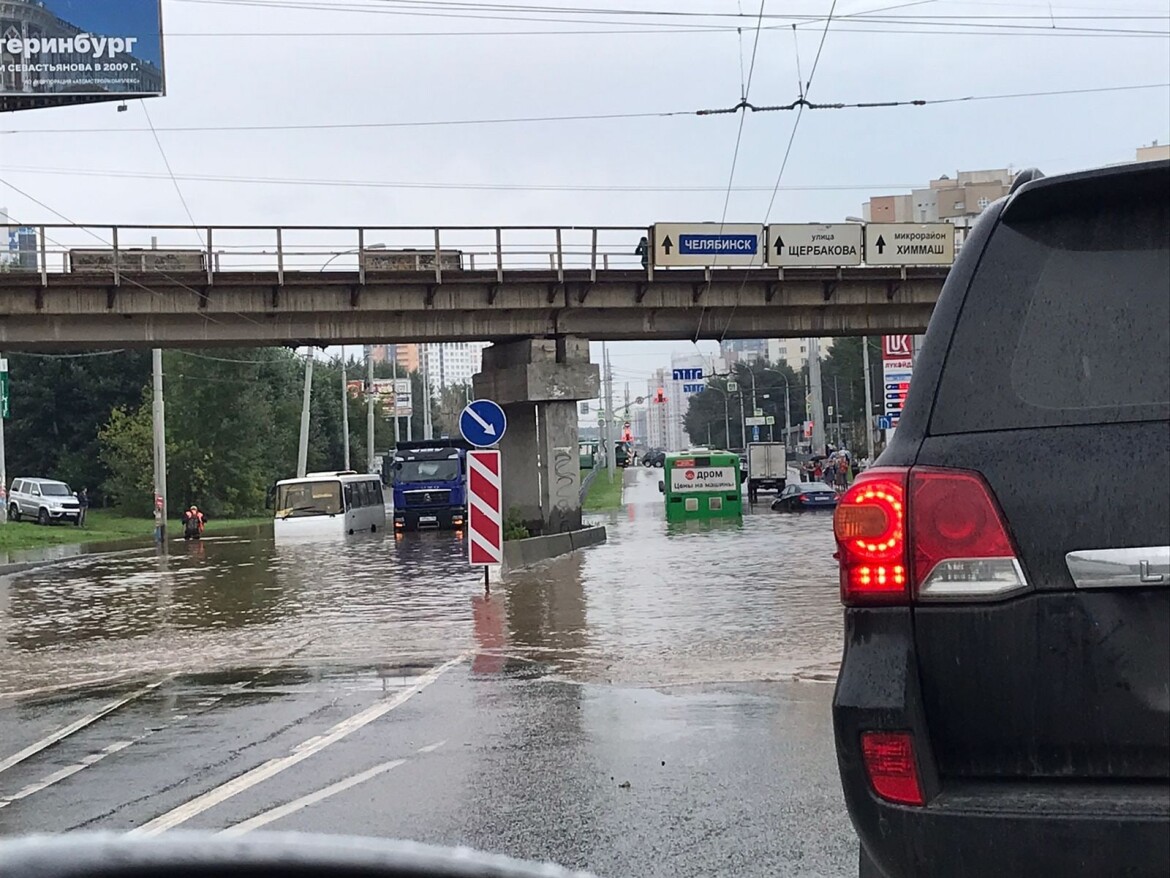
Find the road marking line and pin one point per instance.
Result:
(431, 748)
(301, 752)
(66, 731)
(68, 771)
(320, 795)
(79, 684)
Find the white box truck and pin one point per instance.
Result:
(767, 468)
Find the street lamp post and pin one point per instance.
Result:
(787, 406)
(351, 250)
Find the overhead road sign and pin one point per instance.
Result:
(761, 421)
(483, 423)
(485, 502)
(708, 244)
(808, 244)
(909, 244)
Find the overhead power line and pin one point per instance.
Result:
(513, 12)
(804, 103)
(125, 278)
(344, 126)
(470, 186)
(654, 30)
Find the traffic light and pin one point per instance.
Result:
(660, 396)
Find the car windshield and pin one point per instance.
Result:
(300, 499)
(475, 331)
(415, 471)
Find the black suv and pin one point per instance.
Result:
(1003, 706)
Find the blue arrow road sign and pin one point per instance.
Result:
(483, 423)
(715, 244)
(885, 422)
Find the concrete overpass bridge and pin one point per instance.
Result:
(539, 293)
(76, 286)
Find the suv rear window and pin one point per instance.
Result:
(1067, 321)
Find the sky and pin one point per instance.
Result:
(232, 63)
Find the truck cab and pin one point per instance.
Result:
(428, 479)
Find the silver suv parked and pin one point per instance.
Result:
(44, 500)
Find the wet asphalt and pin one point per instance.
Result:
(657, 705)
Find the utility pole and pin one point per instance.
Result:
(837, 409)
(742, 423)
(868, 399)
(303, 447)
(370, 401)
(787, 417)
(428, 425)
(344, 410)
(607, 433)
(816, 404)
(160, 448)
(394, 374)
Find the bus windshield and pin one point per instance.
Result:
(297, 499)
(427, 471)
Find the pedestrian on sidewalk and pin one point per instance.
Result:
(83, 506)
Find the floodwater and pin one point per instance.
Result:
(655, 605)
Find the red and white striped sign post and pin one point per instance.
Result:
(485, 502)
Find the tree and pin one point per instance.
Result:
(450, 406)
(843, 385)
(59, 403)
(707, 413)
(126, 443)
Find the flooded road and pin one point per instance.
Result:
(657, 705)
(658, 604)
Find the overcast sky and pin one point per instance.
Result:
(325, 62)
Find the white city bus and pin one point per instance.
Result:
(339, 502)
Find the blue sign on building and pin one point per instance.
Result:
(715, 244)
(483, 423)
(692, 388)
(687, 374)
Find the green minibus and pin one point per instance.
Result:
(701, 483)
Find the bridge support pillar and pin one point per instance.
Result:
(538, 382)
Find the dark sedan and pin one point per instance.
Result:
(803, 496)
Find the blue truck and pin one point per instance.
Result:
(428, 479)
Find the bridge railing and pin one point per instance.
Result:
(430, 250)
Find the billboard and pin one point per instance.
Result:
(392, 395)
(55, 52)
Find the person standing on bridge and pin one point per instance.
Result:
(643, 250)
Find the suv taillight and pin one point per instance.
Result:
(923, 532)
(870, 526)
